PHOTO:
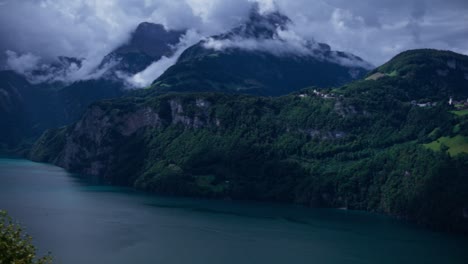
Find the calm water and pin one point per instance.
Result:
(85, 223)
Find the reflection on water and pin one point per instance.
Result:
(82, 221)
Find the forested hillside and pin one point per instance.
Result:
(370, 145)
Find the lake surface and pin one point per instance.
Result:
(81, 222)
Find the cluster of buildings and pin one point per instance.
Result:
(428, 104)
(460, 105)
(323, 95)
(319, 94)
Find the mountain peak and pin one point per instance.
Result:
(148, 43)
(147, 29)
(260, 25)
(152, 39)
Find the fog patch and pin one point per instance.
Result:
(146, 77)
(22, 64)
(65, 70)
(265, 6)
(349, 60)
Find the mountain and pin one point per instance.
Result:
(148, 43)
(28, 109)
(428, 73)
(12, 112)
(370, 145)
(259, 26)
(23, 110)
(260, 57)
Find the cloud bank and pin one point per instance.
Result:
(36, 32)
(287, 43)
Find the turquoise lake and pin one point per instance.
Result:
(80, 221)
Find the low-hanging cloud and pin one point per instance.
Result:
(64, 70)
(38, 31)
(378, 30)
(286, 43)
(24, 64)
(156, 69)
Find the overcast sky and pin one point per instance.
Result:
(374, 30)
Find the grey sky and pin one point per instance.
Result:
(374, 30)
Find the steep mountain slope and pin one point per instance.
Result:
(23, 111)
(149, 43)
(432, 73)
(75, 98)
(362, 146)
(13, 118)
(27, 109)
(260, 57)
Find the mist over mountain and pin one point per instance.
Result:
(261, 56)
(149, 43)
(38, 95)
(271, 32)
(373, 31)
(152, 49)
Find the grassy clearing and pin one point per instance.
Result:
(460, 112)
(393, 73)
(375, 76)
(456, 145)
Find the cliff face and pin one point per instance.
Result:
(89, 146)
(98, 131)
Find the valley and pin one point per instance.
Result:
(234, 138)
(309, 148)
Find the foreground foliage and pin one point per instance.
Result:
(15, 246)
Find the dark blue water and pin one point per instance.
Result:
(85, 223)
